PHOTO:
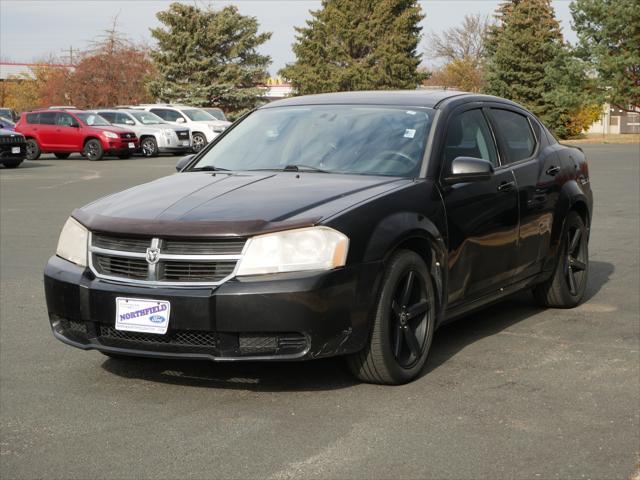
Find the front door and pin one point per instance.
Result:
(68, 133)
(482, 217)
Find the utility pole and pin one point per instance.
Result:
(70, 52)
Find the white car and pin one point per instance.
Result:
(156, 136)
(204, 127)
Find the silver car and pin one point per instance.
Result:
(156, 136)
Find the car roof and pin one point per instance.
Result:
(405, 98)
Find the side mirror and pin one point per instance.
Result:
(75, 125)
(180, 120)
(183, 162)
(469, 169)
(129, 122)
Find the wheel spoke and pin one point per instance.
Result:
(397, 343)
(412, 341)
(406, 291)
(396, 308)
(575, 241)
(578, 265)
(417, 309)
(572, 281)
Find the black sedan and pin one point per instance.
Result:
(13, 148)
(341, 224)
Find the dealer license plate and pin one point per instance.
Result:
(142, 315)
(132, 145)
(15, 149)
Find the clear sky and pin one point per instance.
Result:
(34, 29)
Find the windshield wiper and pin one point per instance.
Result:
(209, 168)
(299, 168)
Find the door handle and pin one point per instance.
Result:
(553, 170)
(506, 186)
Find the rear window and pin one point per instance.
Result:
(47, 118)
(516, 132)
(32, 118)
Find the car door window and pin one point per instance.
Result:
(47, 118)
(65, 120)
(124, 119)
(108, 116)
(166, 114)
(515, 130)
(468, 135)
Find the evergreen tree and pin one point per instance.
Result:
(609, 33)
(358, 45)
(209, 57)
(529, 63)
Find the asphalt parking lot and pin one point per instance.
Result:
(511, 392)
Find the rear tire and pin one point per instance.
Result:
(12, 163)
(93, 149)
(403, 324)
(62, 156)
(565, 289)
(33, 149)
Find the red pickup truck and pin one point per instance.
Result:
(66, 131)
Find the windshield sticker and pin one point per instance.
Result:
(409, 133)
(410, 112)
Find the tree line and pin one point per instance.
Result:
(211, 57)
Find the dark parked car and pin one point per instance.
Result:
(6, 124)
(9, 113)
(342, 224)
(12, 148)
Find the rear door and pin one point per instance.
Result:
(47, 134)
(482, 217)
(522, 148)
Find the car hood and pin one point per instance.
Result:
(112, 128)
(220, 203)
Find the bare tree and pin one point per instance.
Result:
(464, 42)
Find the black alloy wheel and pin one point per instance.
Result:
(149, 147)
(93, 150)
(33, 149)
(403, 324)
(566, 288)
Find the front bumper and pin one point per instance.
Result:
(276, 317)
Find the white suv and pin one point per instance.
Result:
(156, 136)
(204, 127)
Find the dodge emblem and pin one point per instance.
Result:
(153, 255)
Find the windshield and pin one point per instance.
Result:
(198, 115)
(217, 113)
(334, 138)
(92, 119)
(147, 118)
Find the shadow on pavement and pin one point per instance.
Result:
(331, 374)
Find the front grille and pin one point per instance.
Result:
(121, 266)
(183, 134)
(187, 338)
(173, 261)
(128, 135)
(12, 139)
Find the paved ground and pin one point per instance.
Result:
(511, 392)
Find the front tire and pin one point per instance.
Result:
(403, 324)
(149, 147)
(199, 142)
(565, 289)
(93, 150)
(12, 163)
(33, 149)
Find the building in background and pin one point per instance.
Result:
(616, 121)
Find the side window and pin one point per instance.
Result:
(124, 119)
(47, 118)
(468, 135)
(168, 115)
(108, 116)
(515, 130)
(32, 118)
(65, 120)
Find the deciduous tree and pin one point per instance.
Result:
(358, 45)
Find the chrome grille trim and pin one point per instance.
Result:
(174, 265)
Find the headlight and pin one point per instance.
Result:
(72, 244)
(110, 134)
(314, 248)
